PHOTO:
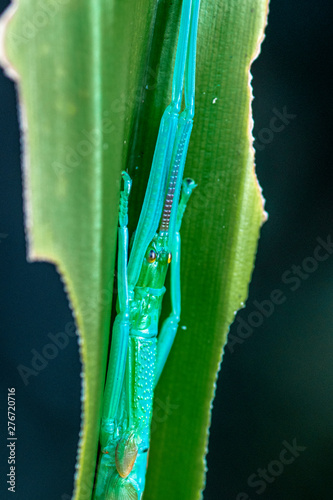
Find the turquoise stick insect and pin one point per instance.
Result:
(138, 351)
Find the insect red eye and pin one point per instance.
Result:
(151, 256)
(169, 257)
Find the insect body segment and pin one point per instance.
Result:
(139, 350)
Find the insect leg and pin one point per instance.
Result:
(191, 60)
(170, 325)
(187, 188)
(120, 331)
(118, 354)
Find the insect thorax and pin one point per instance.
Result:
(145, 309)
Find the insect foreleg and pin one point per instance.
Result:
(120, 331)
(187, 187)
(118, 354)
(170, 325)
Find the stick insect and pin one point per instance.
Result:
(138, 352)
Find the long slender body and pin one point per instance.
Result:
(138, 350)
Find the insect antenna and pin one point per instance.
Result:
(176, 175)
(166, 214)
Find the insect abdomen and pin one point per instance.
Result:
(144, 351)
(120, 489)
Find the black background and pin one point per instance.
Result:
(276, 386)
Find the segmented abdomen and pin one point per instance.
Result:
(144, 357)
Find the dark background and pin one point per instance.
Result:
(277, 385)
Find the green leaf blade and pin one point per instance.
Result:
(93, 82)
